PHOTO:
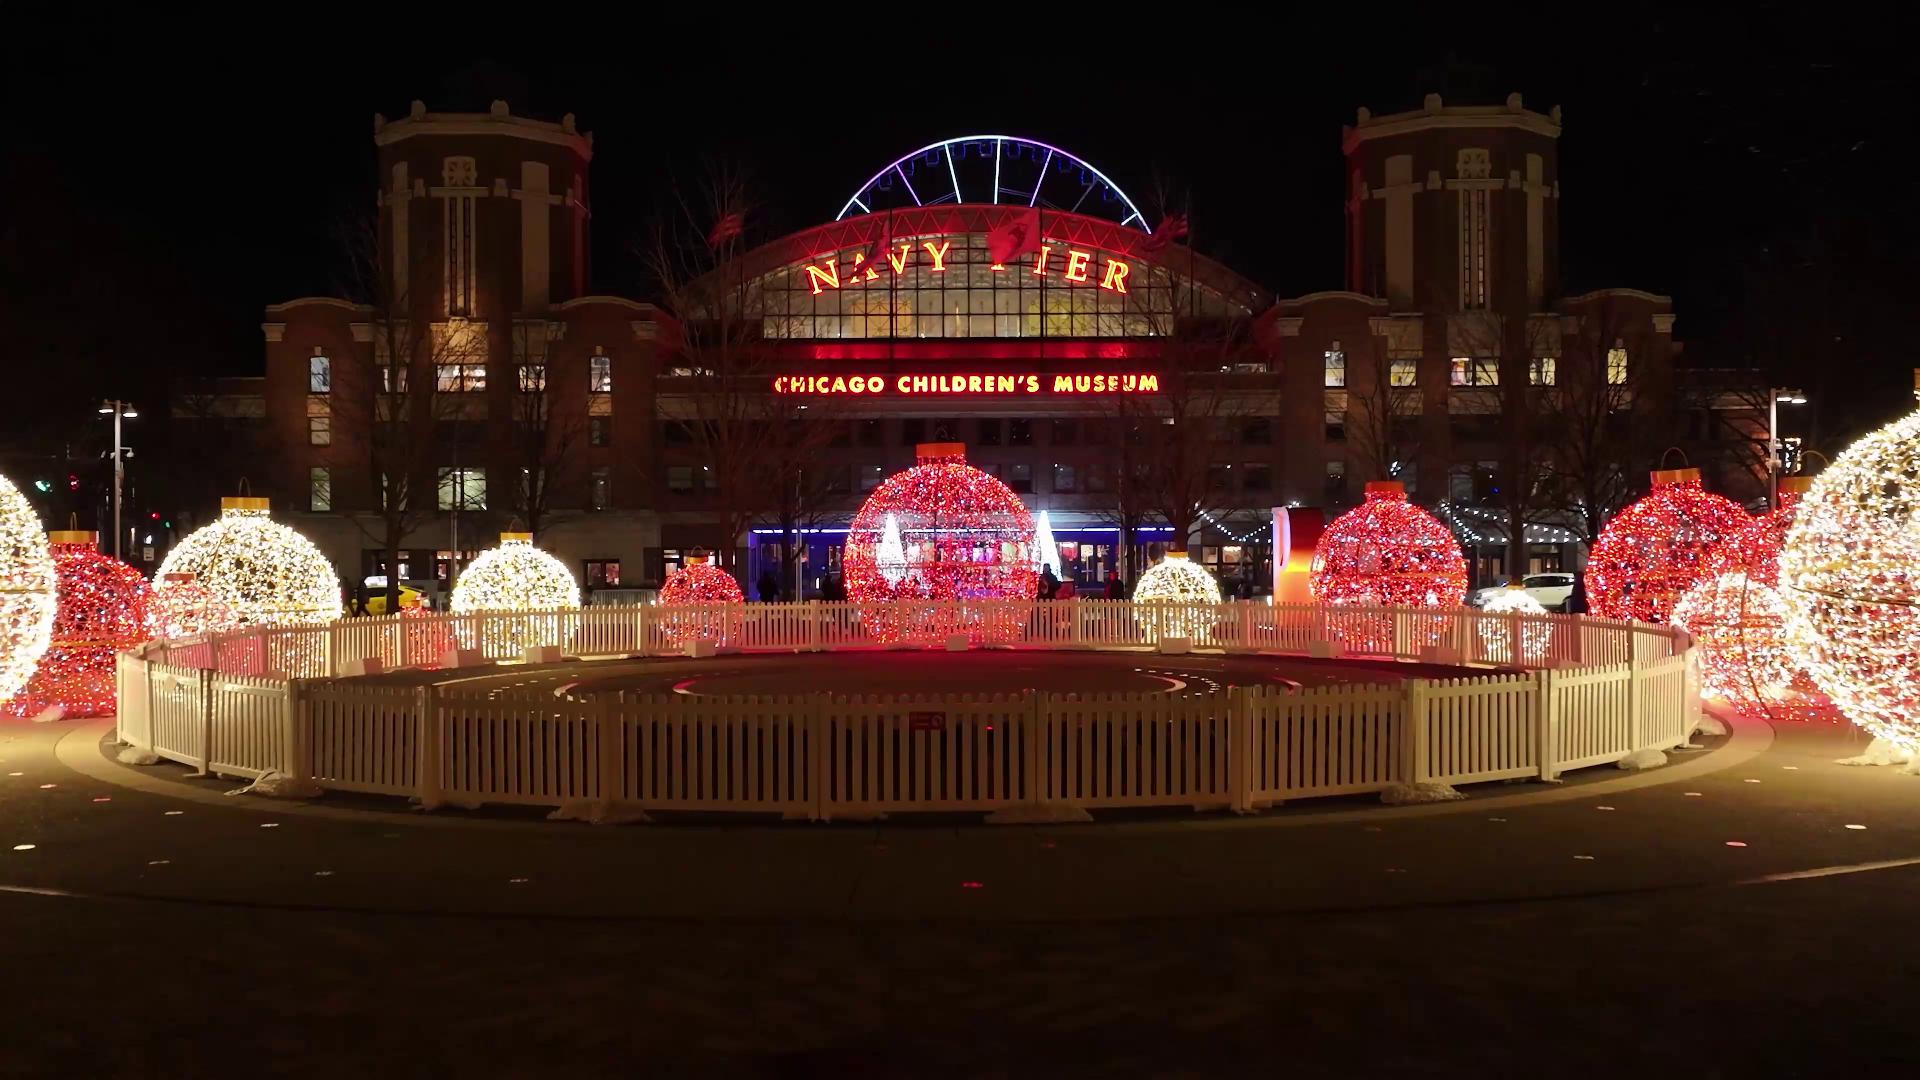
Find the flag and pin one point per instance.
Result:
(1014, 237)
(1172, 227)
(727, 228)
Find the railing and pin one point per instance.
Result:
(1574, 692)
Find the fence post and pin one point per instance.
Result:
(334, 648)
(814, 611)
(1515, 654)
(297, 762)
(206, 720)
(428, 728)
(1634, 720)
(818, 754)
(1402, 633)
(1548, 716)
(1246, 625)
(1034, 778)
(1415, 740)
(1240, 743)
(612, 753)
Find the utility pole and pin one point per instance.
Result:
(120, 410)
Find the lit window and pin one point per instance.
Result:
(533, 378)
(1473, 371)
(1336, 366)
(319, 488)
(319, 374)
(602, 487)
(1541, 371)
(1065, 482)
(603, 573)
(1617, 364)
(319, 421)
(393, 379)
(1403, 373)
(599, 374)
(463, 489)
(461, 378)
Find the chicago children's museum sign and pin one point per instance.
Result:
(1020, 384)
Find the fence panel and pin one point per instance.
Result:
(363, 736)
(922, 752)
(519, 750)
(1593, 717)
(1129, 749)
(133, 716)
(1329, 740)
(251, 723)
(734, 752)
(1664, 718)
(1482, 728)
(178, 705)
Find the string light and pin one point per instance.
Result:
(1389, 552)
(182, 607)
(102, 607)
(1496, 637)
(963, 535)
(1656, 549)
(700, 582)
(516, 576)
(26, 590)
(1850, 579)
(264, 572)
(1457, 518)
(1176, 580)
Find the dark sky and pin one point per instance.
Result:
(157, 189)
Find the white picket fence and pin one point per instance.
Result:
(1583, 692)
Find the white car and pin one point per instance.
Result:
(1550, 590)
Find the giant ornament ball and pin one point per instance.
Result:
(516, 576)
(1652, 552)
(1850, 583)
(263, 572)
(1390, 553)
(27, 590)
(103, 607)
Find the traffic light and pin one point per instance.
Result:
(153, 515)
(42, 486)
(73, 481)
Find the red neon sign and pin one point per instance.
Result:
(1022, 383)
(829, 274)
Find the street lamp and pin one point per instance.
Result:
(119, 410)
(1776, 397)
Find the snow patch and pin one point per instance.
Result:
(1427, 792)
(1709, 724)
(279, 785)
(1642, 759)
(1040, 814)
(599, 812)
(1885, 752)
(50, 714)
(134, 755)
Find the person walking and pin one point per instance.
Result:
(769, 586)
(1116, 589)
(1049, 584)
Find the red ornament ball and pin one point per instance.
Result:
(183, 607)
(1388, 552)
(1652, 552)
(103, 606)
(941, 530)
(700, 582)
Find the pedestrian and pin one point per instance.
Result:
(1049, 584)
(359, 597)
(1577, 599)
(769, 586)
(1116, 589)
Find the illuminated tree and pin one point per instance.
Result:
(1046, 551)
(264, 572)
(103, 608)
(1654, 550)
(26, 590)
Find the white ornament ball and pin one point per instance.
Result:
(516, 576)
(1850, 582)
(263, 572)
(1176, 581)
(1496, 635)
(26, 590)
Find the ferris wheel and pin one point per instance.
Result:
(998, 169)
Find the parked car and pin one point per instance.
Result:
(377, 598)
(1550, 590)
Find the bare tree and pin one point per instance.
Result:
(1383, 410)
(1504, 373)
(554, 398)
(1603, 417)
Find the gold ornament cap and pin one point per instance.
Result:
(1386, 487)
(940, 450)
(72, 536)
(516, 537)
(1177, 556)
(1670, 477)
(1796, 485)
(244, 502)
(696, 560)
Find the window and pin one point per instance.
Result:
(1473, 371)
(1066, 432)
(839, 480)
(947, 431)
(319, 374)
(392, 496)
(1065, 481)
(319, 421)
(1617, 364)
(460, 378)
(1336, 366)
(1219, 478)
(872, 476)
(1257, 431)
(872, 432)
(1336, 481)
(603, 573)
(1403, 372)
(393, 379)
(1019, 478)
(599, 431)
(319, 489)
(913, 432)
(840, 435)
(1256, 476)
(1099, 477)
(680, 479)
(677, 433)
(1019, 433)
(1460, 483)
(533, 378)
(989, 433)
(463, 489)
(601, 493)
(1474, 168)
(599, 374)
(1541, 370)
(1336, 416)
(1099, 433)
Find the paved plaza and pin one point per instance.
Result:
(1742, 908)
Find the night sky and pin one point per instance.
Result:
(156, 191)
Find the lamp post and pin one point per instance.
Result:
(1776, 397)
(119, 410)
